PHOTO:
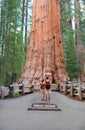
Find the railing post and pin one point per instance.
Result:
(71, 90)
(14, 87)
(80, 90)
(65, 88)
(22, 89)
(2, 92)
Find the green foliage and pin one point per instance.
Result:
(70, 54)
(13, 55)
(82, 26)
(71, 61)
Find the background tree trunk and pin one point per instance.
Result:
(45, 52)
(80, 50)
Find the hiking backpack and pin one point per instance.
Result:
(47, 84)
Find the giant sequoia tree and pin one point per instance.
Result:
(45, 52)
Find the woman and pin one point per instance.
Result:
(42, 89)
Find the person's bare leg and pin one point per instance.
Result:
(46, 95)
(49, 95)
(41, 95)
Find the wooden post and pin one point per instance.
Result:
(13, 90)
(80, 90)
(2, 92)
(22, 89)
(71, 90)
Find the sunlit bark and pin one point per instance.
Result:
(45, 52)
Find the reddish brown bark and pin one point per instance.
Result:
(45, 52)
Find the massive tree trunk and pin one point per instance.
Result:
(45, 52)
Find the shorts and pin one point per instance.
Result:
(42, 91)
(48, 91)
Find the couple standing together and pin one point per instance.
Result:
(45, 89)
